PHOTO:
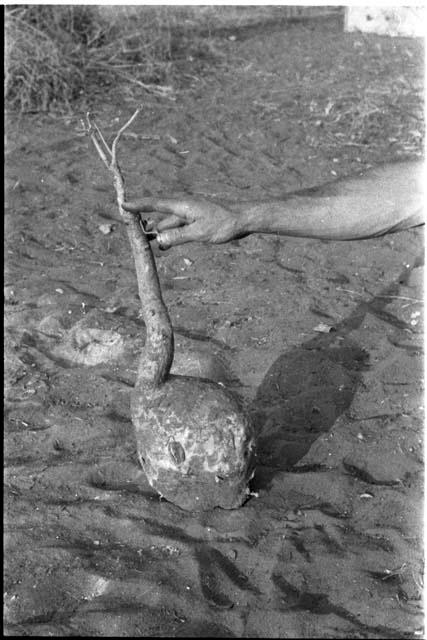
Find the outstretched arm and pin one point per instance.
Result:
(387, 199)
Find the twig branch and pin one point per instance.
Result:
(92, 131)
(99, 132)
(114, 164)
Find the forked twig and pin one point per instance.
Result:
(109, 155)
(117, 138)
(109, 158)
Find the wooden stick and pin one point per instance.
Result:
(156, 358)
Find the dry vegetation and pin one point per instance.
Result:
(56, 53)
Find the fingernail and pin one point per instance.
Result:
(162, 245)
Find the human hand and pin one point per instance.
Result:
(178, 221)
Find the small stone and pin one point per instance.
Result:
(106, 228)
(323, 328)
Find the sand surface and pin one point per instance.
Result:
(329, 545)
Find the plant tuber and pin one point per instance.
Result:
(194, 443)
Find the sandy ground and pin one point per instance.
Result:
(330, 543)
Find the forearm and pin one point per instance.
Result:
(331, 219)
(356, 208)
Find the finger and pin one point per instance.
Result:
(171, 222)
(144, 205)
(151, 225)
(157, 218)
(173, 237)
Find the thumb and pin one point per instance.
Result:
(173, 237)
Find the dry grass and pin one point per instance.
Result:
(40, 70)
(55, 53)
(391, 111)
